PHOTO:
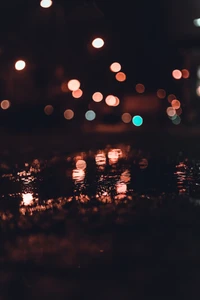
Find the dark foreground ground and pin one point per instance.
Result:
(142, 253)
(121, 253)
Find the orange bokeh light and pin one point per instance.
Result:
(68, 114)
(73, 85)
(140, 88)
(115, 67)
(110, 100)
(171, 111)
(121, 76)
(97, 97)
(5, 104)
(126, 118)
(176, 104)
(48, 110)
(117, 101)
(77, 94)
(185, 73)
(177, 74)
(161, 93)
(98, 43)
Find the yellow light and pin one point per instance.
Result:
(98, 43)
(46, 3)
(20, 65)
(5, 104)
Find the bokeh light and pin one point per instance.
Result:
(73, 85)
(97, 97)
(90, 115)
(161, 93)
(5, 104)
(179, 111)
(27, 199)
(197, 22)
(121, 76)
(177, 74)
(98, 43)
(185, 73)
(171, 97)
(126, 118)
(117, 101)
(48, 110)
(110, 100)
(68, 114)
(46, 3)
(176, 104)
(176, 121)
(172, 117)
(137, 121)
(115, 67)
(77, 94)
(140, 88)
(81, 164)
(171, 111)
(20, 65)
(198, 91)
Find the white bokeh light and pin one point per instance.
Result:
(46, 3)
(20, 65)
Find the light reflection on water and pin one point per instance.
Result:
(106, 176)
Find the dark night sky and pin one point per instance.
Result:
(135, 32)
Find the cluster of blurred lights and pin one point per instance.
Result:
(73, 85)
(136, 120)
(174, 111)
(178, 74)
(116, 68)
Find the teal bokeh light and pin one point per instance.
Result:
(137, 121)
(90, 115)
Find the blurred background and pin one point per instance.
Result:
(99, 66)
